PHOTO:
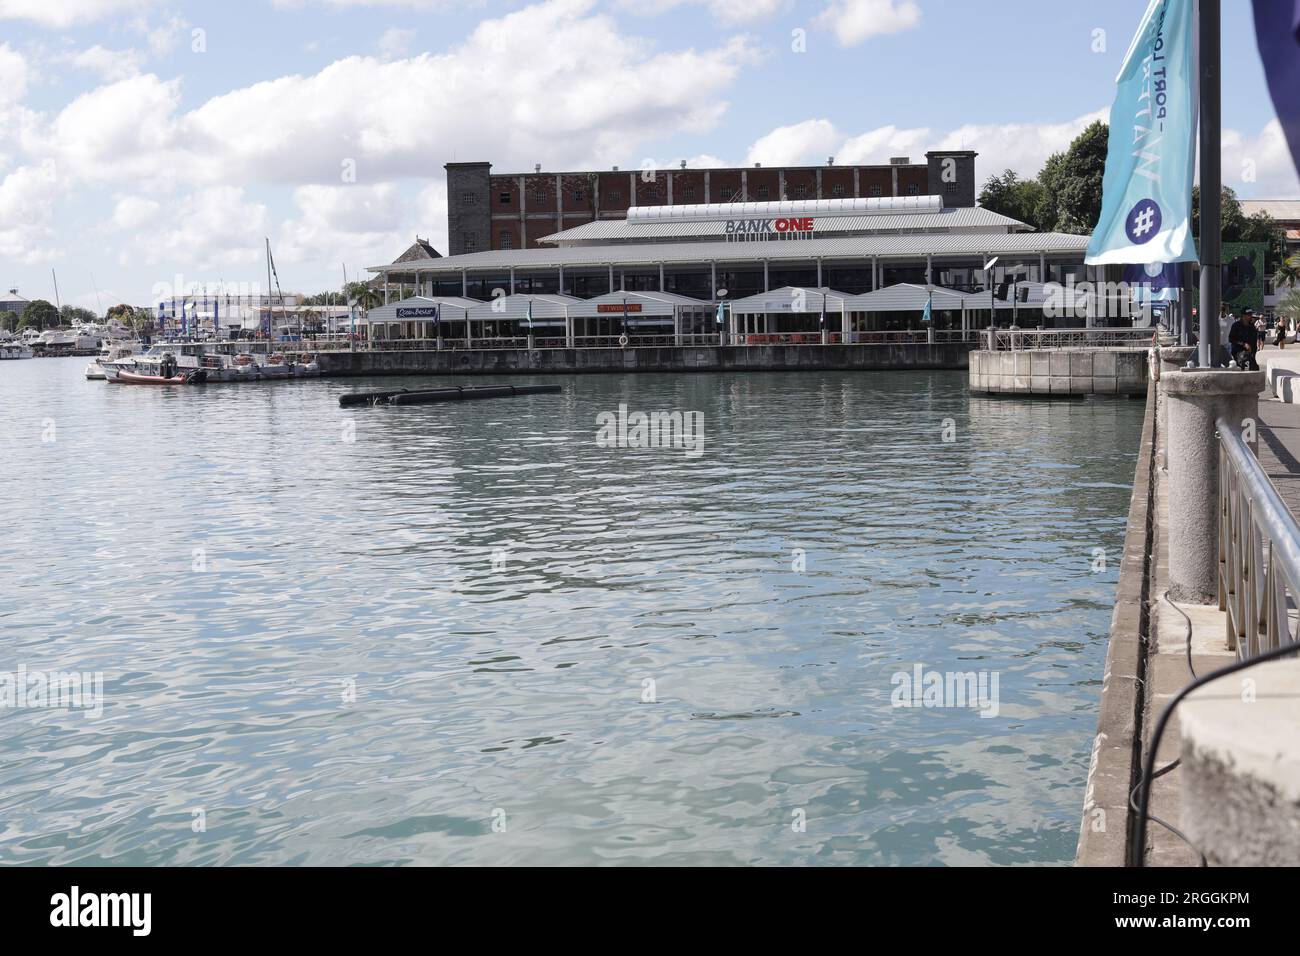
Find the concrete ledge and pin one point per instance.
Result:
(738, 358)
(1065, 372)
(1241, 794)
(1104, 830)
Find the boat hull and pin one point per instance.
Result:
(124, 377)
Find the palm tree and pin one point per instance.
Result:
(370, 299)
(1288, 273)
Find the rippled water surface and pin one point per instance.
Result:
(310, 656)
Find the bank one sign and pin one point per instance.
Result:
(796, 227)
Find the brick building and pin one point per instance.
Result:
(489, 211)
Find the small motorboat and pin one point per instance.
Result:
(193, 376)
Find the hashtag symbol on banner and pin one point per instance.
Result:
(1143, 221)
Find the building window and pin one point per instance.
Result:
(950, 189)
(505, 199)
(469, 198)
(578, 195)
(838, 190)
(539, 195)
(913, 189)
(615, 195)
(507, 240)
(800, 192)
(763, 192)
(471, 244)
(653, 192)
(688, 193)
(730, 195)
(875, 191)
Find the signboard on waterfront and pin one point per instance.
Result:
(618, 307)
(790, 227)
(418, 312)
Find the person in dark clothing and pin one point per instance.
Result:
(1243, 341)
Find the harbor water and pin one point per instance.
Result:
(473, 633)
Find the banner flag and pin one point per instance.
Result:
(929, 301)
(1146, 197)
(1277, 34)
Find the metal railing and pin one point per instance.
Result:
(1025, 339)
(634, 340)
(1259, 551)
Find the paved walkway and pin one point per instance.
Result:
(1279, 445)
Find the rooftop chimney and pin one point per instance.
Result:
(537, 168)
(830, 161)
(683, 164)
(615, 169)
(758, 165)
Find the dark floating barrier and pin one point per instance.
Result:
(402, 396)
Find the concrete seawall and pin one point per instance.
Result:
(751, 358)
(1081, 371)
(1105, 832)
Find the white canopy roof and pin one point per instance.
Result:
(640, 303)
(790, 299)
(507, 307)
(450, 309)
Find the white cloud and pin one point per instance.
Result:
(27, 199)
(1259, 167)
(395, 42)
(110, 64)
(341, 222)
(61, 14)
(398, 119)
(13, 76)
(806, 143)
(210, 228)
(132, 212)
(854, 21)
(733, 12)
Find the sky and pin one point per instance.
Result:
(148, 144)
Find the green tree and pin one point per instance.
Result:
(1288, 273)
(39, 314)
(1023, 199)
(1236, 226)
(75, 315)
(1072, 182)
(9, 321)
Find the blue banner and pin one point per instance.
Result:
(1277, 34)
(1146, 202)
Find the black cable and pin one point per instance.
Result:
(1149, 761)
(1173, 765)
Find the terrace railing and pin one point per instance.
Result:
(1259, 551)
(1024, 339)
(635, 340)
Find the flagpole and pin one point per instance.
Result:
(1211, 182)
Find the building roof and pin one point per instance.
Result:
(863, 206)
(906, 297)
(908, 246)
(1283, 210)
(420, 249)
(942, 220)
(790, 299)
(451, 307)
(506, 307)
(651, 303)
